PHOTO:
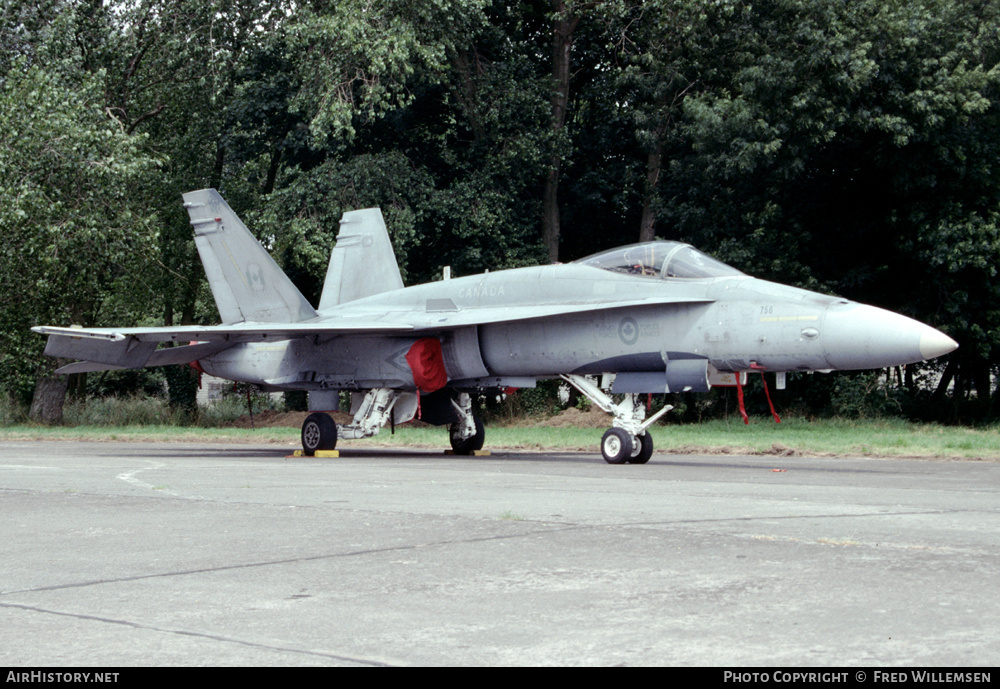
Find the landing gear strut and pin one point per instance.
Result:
(467, 434)
(627, 440)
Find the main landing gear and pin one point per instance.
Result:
(320, 432)
(467, 433)
(627, 440)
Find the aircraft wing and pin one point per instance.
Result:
(232, 334)
(438, 314)
(102, 349)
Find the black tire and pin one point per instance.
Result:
(319, 432)
(644, 449)
(469, 445)
(616, 446)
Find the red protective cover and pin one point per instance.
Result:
(427, 364)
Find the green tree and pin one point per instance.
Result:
(356, 59)
(566, 17)
(450, 144)
(851, 147)
(487, 148)
(172, 69)
(70, 230)
(669, 50)
(840, 146)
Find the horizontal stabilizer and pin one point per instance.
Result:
(118, 352)
(161, 357)
(86, 367)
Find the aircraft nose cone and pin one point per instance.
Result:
(857, 336)
(935, 343)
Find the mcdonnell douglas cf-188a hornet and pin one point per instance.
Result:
(656, 317)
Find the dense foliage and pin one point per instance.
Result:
(850, 147)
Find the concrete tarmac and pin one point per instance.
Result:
(125, 554)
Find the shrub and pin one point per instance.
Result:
(130, 410)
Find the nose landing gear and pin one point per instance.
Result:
(627, 441)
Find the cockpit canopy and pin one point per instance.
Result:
(660, 260)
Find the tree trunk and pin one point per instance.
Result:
(551, 229)
(981, 380)
(946, 378)
(47, 402)
(272, 170)
(563, 27)
(647, 226)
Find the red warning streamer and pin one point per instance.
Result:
(739, 396)
(767, 392)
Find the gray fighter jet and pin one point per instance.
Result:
(656, 317)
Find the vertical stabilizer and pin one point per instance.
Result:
(246, 282)
(363, 262)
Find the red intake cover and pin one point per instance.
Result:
(427, 364)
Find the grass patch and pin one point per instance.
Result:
(511, 516)
(888, 438)
(138, 410)
(839, 437)
(152, 433)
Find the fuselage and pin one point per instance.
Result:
(514, 326)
